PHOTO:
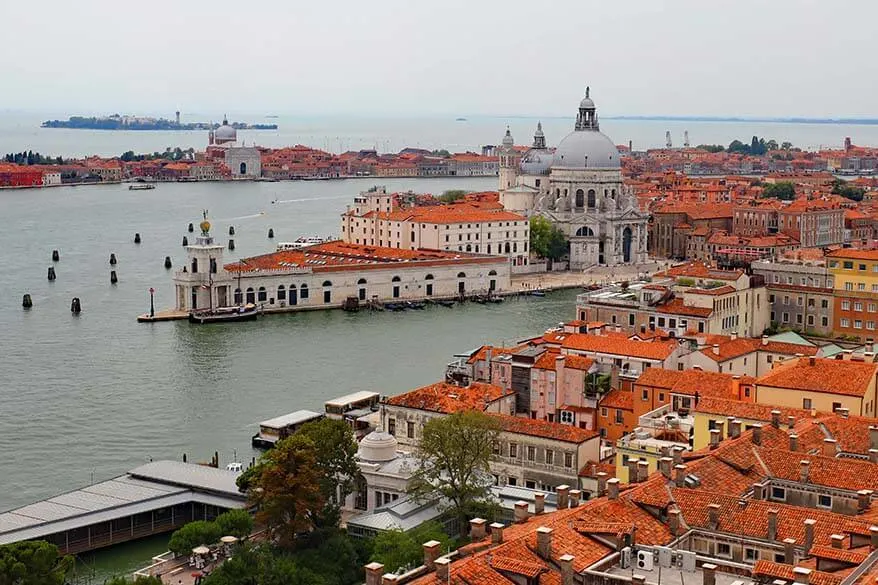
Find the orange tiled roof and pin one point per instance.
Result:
(854, 254)
(677, 307)
(618, 345)
(618, 398)
(842, 473)
(448, 398)
(829, 376)
(746, 410)
(774, 570)
(545, 429)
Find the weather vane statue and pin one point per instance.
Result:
(205, 225)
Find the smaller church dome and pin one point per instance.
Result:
(225, 132)
(508, 141)
(536, 162)
(587, 103)
(378, 446)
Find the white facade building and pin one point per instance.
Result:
(579, 188)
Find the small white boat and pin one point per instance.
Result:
(300, 243)
(141, 187)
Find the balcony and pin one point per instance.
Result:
(665, 417)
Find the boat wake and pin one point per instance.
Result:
(279, 201)
(251, 216)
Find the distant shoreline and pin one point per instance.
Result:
(853, 121)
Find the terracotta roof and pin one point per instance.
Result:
(545, 429)
(851, 433)
(549, 361)
(592, 468)
(842, 473)
(691, 381)
(677, 307)
(448, 398)
(781, 571)
(854, 254)
(618, 345)
(829, 376)
(618, 398)
(713, 292)
(745, 345)
(854, 557)
(746, 410)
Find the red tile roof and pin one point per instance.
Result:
(618, 345)
(781, 571)
(678, 307)
(746, 410)
(545, 429)
(618, 398)
(854, 254)
(829, 376)
(448, 398)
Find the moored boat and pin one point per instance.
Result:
(141, 186)
(248, 312)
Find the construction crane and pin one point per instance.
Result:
(668, 142)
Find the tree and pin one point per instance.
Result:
(546, 240)
(786, 145)
(33, 562)
(454, 452)
(194, 534)
(452, 195)
(235, 523)
(336, 461)
(139, 580)
(771, 145)
(736, 146)
(711, 147)
(848, 191)
(285, 488)
(784, 190)
(395, 548)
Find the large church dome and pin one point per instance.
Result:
(586, 147)
(225, 133)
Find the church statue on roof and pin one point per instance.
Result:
(578, 187)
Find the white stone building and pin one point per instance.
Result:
(242, 161)
(579, 188)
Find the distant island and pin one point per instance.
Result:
(117, 122)
(867, 121)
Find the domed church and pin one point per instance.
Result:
(579, 188)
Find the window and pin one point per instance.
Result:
(862, 267)
(568, 459)
(410, 429)
(511, 481)
(824, 304)
(566, 417)
(849, 286)
(619, 416)
(751, 554)
(644, 395)
(603, 412)
(723, 550)
(845, 322)
(872, 306)
(824, 501)
(513, 450)
(786, 300)
(786, 317)
(848, 265)
(495, 448)
(531, 453)
(778, 493)
(845, 305)
(806, 403)
(662, 397)
(262, 294)
(858, 324)
(303, 292)
(391, 426)
(550, 457)
(858, 305)
(870, 325)
(530, 484)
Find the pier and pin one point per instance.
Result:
(158, 497)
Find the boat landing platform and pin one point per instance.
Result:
(167, 315)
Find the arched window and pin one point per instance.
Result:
(303, 291)
(361, 281)
(327, 291)
(263, 294)
(327, 283)
(584, 231)
(461, 285)
(557, 192)
(194, 265)
(429, 287)
(239, 298)
(469, 248)
(580, 198)
(361, 292)
(294, 294)
(395, 279)
(514, 247)
(489, 248)
(461, 275)
(396, 290)
(506, 247)
(613, 192)
(243, 168)
(492, 273)
(281, 293)
(251, 295)
(591, 198)
(213, 265)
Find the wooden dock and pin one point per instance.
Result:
(166, 315)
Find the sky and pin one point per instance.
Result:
(415, 58)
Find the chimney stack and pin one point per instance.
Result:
(566, 563)
(873, 537)
(680, 475)
(443, 570)
(812, 361)
(477, 528)
(677, 454)
(613, 488)
(561, 494)
(539, 503)
(757, 491)
(791, 422)
(734, 335)
(389, 579)
(843, 412)
(789, 551)
(521, 512)
(873, 455)
(665, 464)
(713, 516)
(734, 429)
(544, 542)
(432, 548)
(804, 468)
(602, 482)
(714, 439)
(632, 470)
(809, 534)
(497, 533)
(801, 575)
(642, 470)
(829, 449)
(715, 349)
(775, 419)
(873, 437)
(575, 496)
(764, 340)
(864, 498)
(794, 442)
(772, 524)
(757, 434)
(721, 427)
(708, 574)
(374, 571)
(837, 540)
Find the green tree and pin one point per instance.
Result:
(33, 562)
(711, 147)
(285, 488)
(786, 145)
(771, 145)
(546, 240)
(139, 580)
(336, 461)
(194, 534)
(784, 190)
(848, 191)
(235, 523)
(454, 452)
(395, 548)
(736, 146)
(452, 195)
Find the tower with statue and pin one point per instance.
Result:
(203, 283)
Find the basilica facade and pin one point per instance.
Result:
(578, 187)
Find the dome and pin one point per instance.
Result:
(536, 162)
(507, 139)
(225, 132)
(378, 446)
(586, 149)
(587, 103)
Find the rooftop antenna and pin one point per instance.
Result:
(668, 143)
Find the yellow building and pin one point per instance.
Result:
(642, 449)
(855, 279)
(711, 413)
(820, 384)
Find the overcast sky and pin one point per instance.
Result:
(469, 57)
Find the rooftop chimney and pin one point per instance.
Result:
(680, 475)
(566, 563)
(677, 454)
(794, 442)
(602, 482)
(757, 434)
(809, 534)
(561, 493)
(497, 532)
(642, 470)
(715, 349)
(873, 537)
(632, 470)
(864, 498)
(734, 335)
(804, 468)
(521, 512)
(443, 570)
(575, 496)
(539, 503)
(713, 516)
(665, 464)
(843, 412)
(708, 574)
(772, 524)
(801, 575)
(714, 438)
(757, 491)
(775, 419)
(432, 548)
(812, 361)
(829, 449)
(735, 429)
(674, 521)
(721, 427)
(613, 488)
(764, 340)
(837, 540)
(477, 528)
(873, 437)
(389, 579)
(374, 571)
(544, 542)
(873, 455)
(791, 422)
(789, 551)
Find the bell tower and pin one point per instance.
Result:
(509, 161)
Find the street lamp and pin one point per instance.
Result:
(151, 302)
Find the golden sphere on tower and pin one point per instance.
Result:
(205, 226)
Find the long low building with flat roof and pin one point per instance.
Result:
(325, 275)
(157, 497)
